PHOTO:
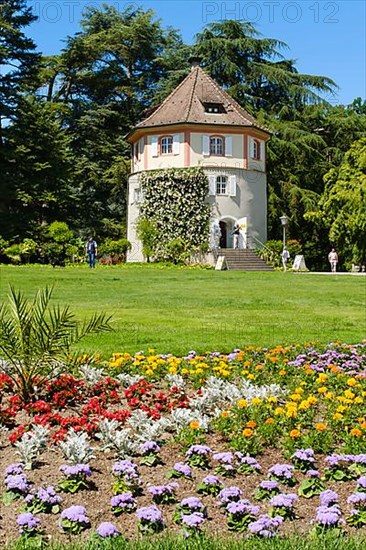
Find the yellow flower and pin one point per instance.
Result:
(320, 427)
(341, 408)
(278, 411)
(282, 372)
(322, 378)
(356, 432)
(329, 395)
(272, 399)
(149, 372)
(304, 406)
(242, 403)
(358, 400)
(351, 382)
(312, 400)
(194, 425)
(323, 389)
(337, 416)
(247, 432)
(251, 377)
(299, 390)
(256, 401)
(349, 394)
(295, 397)
(295, 434)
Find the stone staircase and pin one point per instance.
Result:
(243, 260)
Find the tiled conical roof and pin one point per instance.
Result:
(188, 104)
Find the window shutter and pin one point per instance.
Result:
(212, 185)
(262, 150)
(251, 148)
(141, 146)
(229, 146)
(232, 186)
(176, 144)
(154, 146)
(206, 146)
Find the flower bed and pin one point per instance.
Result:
(253, 440)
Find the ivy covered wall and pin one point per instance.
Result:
(175, 202)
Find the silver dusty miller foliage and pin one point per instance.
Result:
(76, 447)
(31, 444)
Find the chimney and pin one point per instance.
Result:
(194, 61)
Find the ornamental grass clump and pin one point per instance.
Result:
(303, 460)
(45, 500)
(74, 520)
(265, 526)
(180, 470)
(210, 485)
(358, 513)
(240, 514)
(76, 478)
(283, 505)
(29, 525)
(107, 530)
(164, 494)
(123, 503)
(199, 456)
(312, 485)
(150, 520)
(266, 490)
(127, 478)
(150, 453)
(282, 473)
(225, 464)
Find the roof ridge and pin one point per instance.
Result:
(193, 92)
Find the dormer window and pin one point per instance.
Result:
(166, 145)
(214, 108)
(217, 146)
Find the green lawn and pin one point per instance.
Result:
(178, 309)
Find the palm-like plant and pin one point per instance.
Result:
(36, 338)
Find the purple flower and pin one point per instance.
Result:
(268, 485)
(149, 514)
(107, 529)
(28, 523)
(193, 520)
(361, 483)
(284, 500)
(163, 489)
(124, 502)
(14, 469)
(248, 460)
(281, 471)
(48, 495)
(149, 447)
(192, 503)
(306, 455)
(200, 450)
(358, 500)
(265, 526)
(328, 497)
(313, 473)
(75, 514)
(17, 483)
(125, 468)
(223, 458)
(242, 508)
(76, 470)
(182, 469)
(328, 516)
(229, 494)
(211, 480)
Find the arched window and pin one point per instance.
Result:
(221, 185)
(217, 146)
(166, 145)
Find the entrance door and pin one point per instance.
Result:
(223, 238)
(243, 238)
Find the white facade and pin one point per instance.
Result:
(235, 162)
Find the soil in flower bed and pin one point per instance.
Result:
(97, 499)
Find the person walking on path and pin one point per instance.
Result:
(333, 260)
(236, 233)
(91, 251)
(285, 257)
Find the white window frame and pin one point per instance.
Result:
(166, 145)
(217, 146)
(221, 185)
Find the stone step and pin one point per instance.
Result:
(243, 260)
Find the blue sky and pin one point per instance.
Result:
(324, 37)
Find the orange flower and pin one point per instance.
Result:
(295, 434)
(282, 372)
(363, 425)
(269, 421)
(320, 427)
(251, 424)
(356, 432)
(247, 432)
(194, 425)
(225, 414)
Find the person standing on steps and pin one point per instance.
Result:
(236, 233)
(91, 251)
